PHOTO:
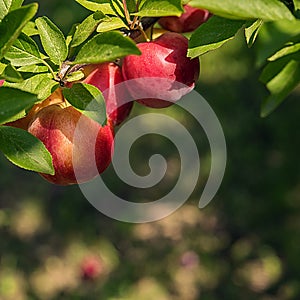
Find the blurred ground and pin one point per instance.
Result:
(244, 245)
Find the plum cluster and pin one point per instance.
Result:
(157, 78)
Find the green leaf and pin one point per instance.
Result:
(110, 23)
(274, 68)
(16, 4)
(8, 5)
(267, 10)
(70, 34)
(14, 101)
(41, 84)
(24, 52)
(280, 77)
(212, 35)
(273, 36)
(287, 50)
(251, 31)
(4, 8)
(86, 28)
(75, 76)
(289, 4)
(94, 5)
(52, 39)
(88, 100)
(11, 74)
(12, 25)
(34, 69)
(25, 150)
(107, 46)
(160, 8)
(131, 5)
(30, 29)
(2, 67)
(118, 7)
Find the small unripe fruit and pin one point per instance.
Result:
(163, 73)
(75, 160)
(191, 19)
(91, 268)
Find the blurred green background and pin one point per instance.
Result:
(244, 245)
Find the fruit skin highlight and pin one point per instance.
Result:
(162, 71)
(55, 126)
(108, 78)
(190, 20)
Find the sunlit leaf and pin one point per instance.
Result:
(12, 25)
(25, 150)
(287, 50)
(110, 23)
(52, 39)
(107, 46)
(267, 10)
(88, 100)
(160, 8)
(94, 5)
(24, 52)
(41, 84)
(251, 31)
(8, 5)
(86, 28)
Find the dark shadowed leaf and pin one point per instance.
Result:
(212, 35)
(13, 102)
(280, 77)
(11, 74)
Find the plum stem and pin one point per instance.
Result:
(49, 67)
(126, 12)
(145, 23)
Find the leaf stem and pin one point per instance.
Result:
(50, 69)
(126, 12)
(145, 23)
